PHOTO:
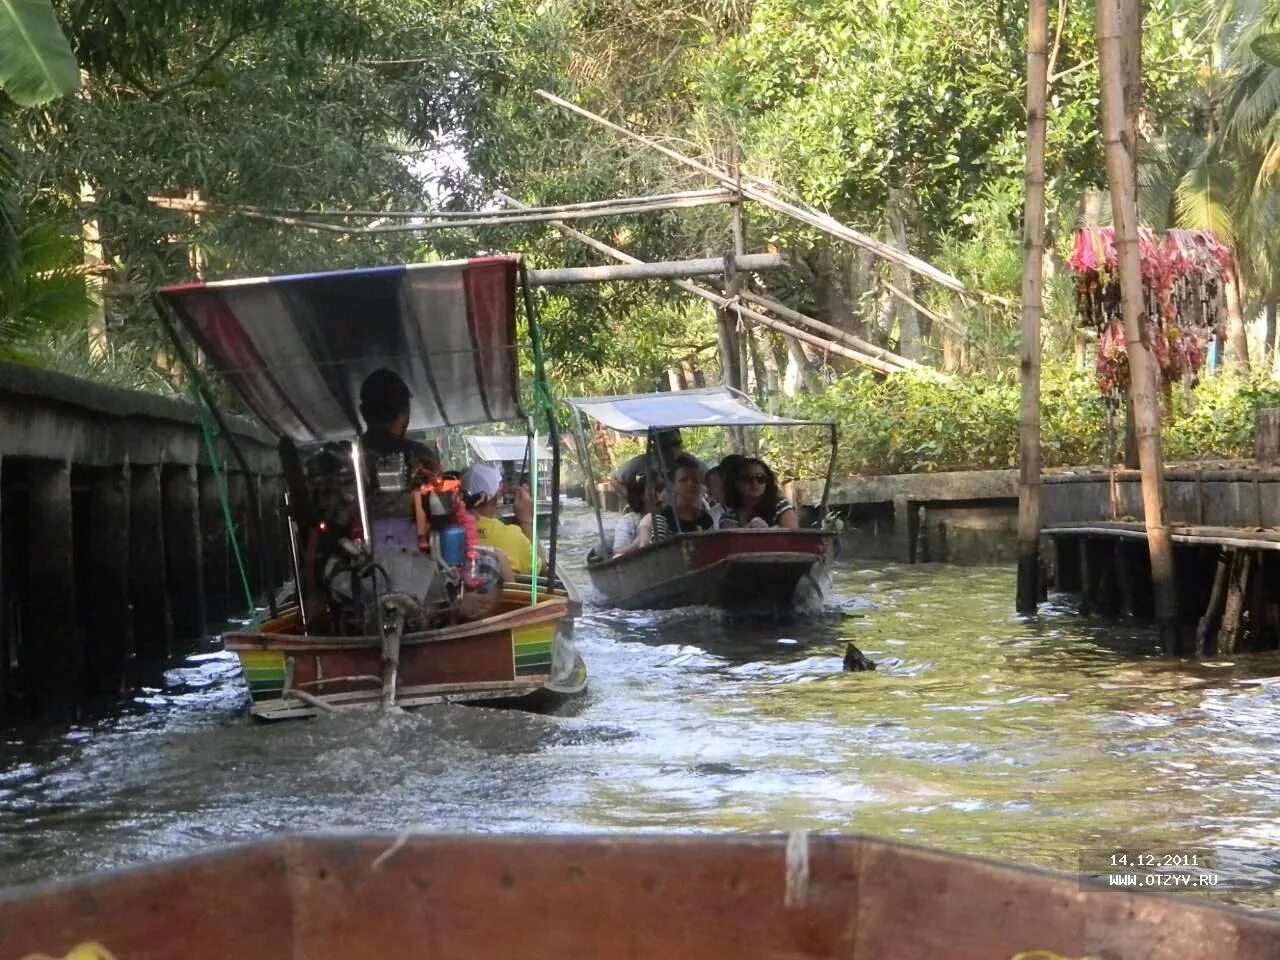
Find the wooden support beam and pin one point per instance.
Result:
(1206, 626)
(1229, 634)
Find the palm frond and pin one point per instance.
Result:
(1253, 101)
(1204, 198)
(47, 292)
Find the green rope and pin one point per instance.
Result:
(210, 434)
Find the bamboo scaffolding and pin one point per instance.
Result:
(721, 301)
(835, 333)
(659, 270)
(473, 218)
(1119, 142)
(1028, 589)
(755, 189)
(932, 315)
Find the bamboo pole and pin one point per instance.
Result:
(475, 218)
(1028, 590)
(1142, 370)
(719, 301)
(835, 333)
(756, 189)
(660, 270)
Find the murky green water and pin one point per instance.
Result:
(1021, 740)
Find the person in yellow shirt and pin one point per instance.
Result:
(484, 485)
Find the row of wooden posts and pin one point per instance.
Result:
(1228, 594)
(110, 572)
(1119, 57)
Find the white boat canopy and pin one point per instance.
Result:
(498, 449)
(709, 407)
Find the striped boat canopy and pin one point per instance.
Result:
(496, 449)
(297, 348)
(710, 407)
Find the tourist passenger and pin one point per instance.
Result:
(685, 513)
(484, 487)
(635, 527)
(753, 500)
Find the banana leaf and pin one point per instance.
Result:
(36, 62)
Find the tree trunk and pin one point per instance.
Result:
(763, 351)
(895, 216)
(1269, 342)
(1028, 590)
(91, 240)
(1121, 147)
(1237, 352)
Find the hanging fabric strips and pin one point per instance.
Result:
(1183, 277)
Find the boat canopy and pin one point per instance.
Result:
(496, 449)
(709, 407)
(297, 348)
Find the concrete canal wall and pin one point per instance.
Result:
(963, 517)
(113, 542)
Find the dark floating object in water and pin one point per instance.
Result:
(855, 660)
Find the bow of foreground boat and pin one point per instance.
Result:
(721, 898)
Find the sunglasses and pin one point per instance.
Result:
(753, 478)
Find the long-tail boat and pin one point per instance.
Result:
(296, 349)
(633, 898)
(736, 569)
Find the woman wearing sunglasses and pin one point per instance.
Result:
(752, 498)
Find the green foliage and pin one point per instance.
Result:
(912, 424)
(36, 63)
(44, 296)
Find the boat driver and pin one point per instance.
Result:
(668, 445)
(384, 406)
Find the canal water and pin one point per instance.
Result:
(1025, 740)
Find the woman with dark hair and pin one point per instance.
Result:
(685, 513)
(752, 498)
(633, 529)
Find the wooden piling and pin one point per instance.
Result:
(184, 563)
(148, 591)
(1229, 634)
(111, 653)
(1213, 610)
(906, 529)
(52, 644)
(216, 550)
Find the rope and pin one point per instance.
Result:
(210, 439)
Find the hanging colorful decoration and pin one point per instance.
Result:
(1183, 280)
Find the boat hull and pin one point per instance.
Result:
(523, 655)
(543, 898)
(736, 570)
